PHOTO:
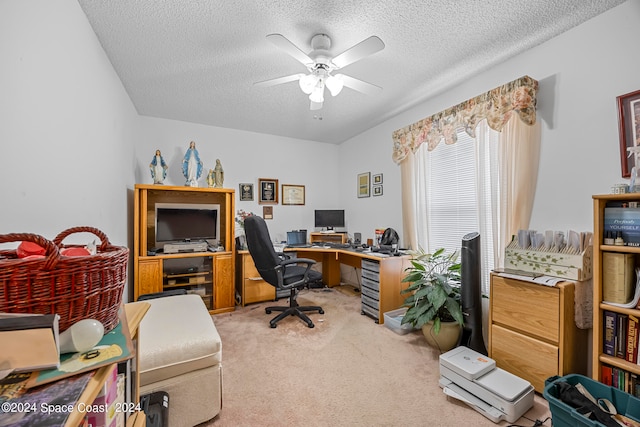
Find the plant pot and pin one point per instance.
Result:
(446, 339)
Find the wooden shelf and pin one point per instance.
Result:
(598, 357)
(152, 273)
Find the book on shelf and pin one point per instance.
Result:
(29, 342)
(609, 330)
(618, 277)
(114, 347)
(632, 339)
(620, 379)
(621, 336)
(623, 220)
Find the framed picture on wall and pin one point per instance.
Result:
(267, 212)
(629, 130)
(377, 190)
(377, 179)
(246, 192)
(292, 194)
(268, 191)
(364, 181)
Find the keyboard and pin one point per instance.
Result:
(333, 245)
(299, 245)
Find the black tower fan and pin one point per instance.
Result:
(471, 293)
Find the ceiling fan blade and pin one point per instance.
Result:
(283, 43)
(278, 81)
(360, 85)
(315, 105)
(363, 49)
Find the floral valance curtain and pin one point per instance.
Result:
(496, 106)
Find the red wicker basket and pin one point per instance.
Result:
(76, 288)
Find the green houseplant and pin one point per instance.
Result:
(434, 291)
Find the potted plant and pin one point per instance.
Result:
(434, 302)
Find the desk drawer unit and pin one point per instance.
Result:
(251, 287)
(370, 292)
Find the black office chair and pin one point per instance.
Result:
(280, 271)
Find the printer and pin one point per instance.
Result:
(475, 379)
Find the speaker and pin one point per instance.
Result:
(471, 293)
(357, 238)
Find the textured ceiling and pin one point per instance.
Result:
(196, 61)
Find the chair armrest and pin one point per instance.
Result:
(288, 261)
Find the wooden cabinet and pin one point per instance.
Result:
(532, 330)
(328, 237)
(208, 274)
(249, 285)
(598, 357)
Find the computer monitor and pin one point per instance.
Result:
(298, 237)
(329, 218)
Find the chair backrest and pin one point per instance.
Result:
(261, 248)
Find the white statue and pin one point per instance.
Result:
(192, 166)
(158, 168)
(219, 174)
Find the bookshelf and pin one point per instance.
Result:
(601, 309)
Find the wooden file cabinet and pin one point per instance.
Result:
(532, 330)
(249, 285)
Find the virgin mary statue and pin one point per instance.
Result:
(192, 166)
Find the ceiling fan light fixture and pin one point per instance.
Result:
(317, 95)
(308, 83)
(335, 84)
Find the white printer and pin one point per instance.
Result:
(473, 378)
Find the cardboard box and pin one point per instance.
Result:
(618, 277)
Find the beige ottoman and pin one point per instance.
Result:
(181, 353)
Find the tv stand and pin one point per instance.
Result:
(188, 265)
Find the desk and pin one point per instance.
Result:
(253, 289)
(135, 312)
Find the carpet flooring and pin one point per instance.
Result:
(347, 371)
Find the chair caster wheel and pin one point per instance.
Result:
(311, 325)
(273, 325)
(321, 311)
(268, 311)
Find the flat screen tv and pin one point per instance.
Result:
(183, 222)
(329, 218)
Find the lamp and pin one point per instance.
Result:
(308, 83)
(318, 92)
(81, 336)
(335, 84)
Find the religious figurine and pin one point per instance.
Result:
(158, 168)
(219, 174)
(210, 181)
(192, 166)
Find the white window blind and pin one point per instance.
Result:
(454, 189)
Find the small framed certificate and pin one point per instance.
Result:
(292, 194)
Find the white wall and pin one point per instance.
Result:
(245, 157)
(581, 72)
(72, 145)
(66, 124)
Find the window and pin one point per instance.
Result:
(456, 188)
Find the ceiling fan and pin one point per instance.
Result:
(321, 65)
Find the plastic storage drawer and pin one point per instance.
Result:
(563, 414)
